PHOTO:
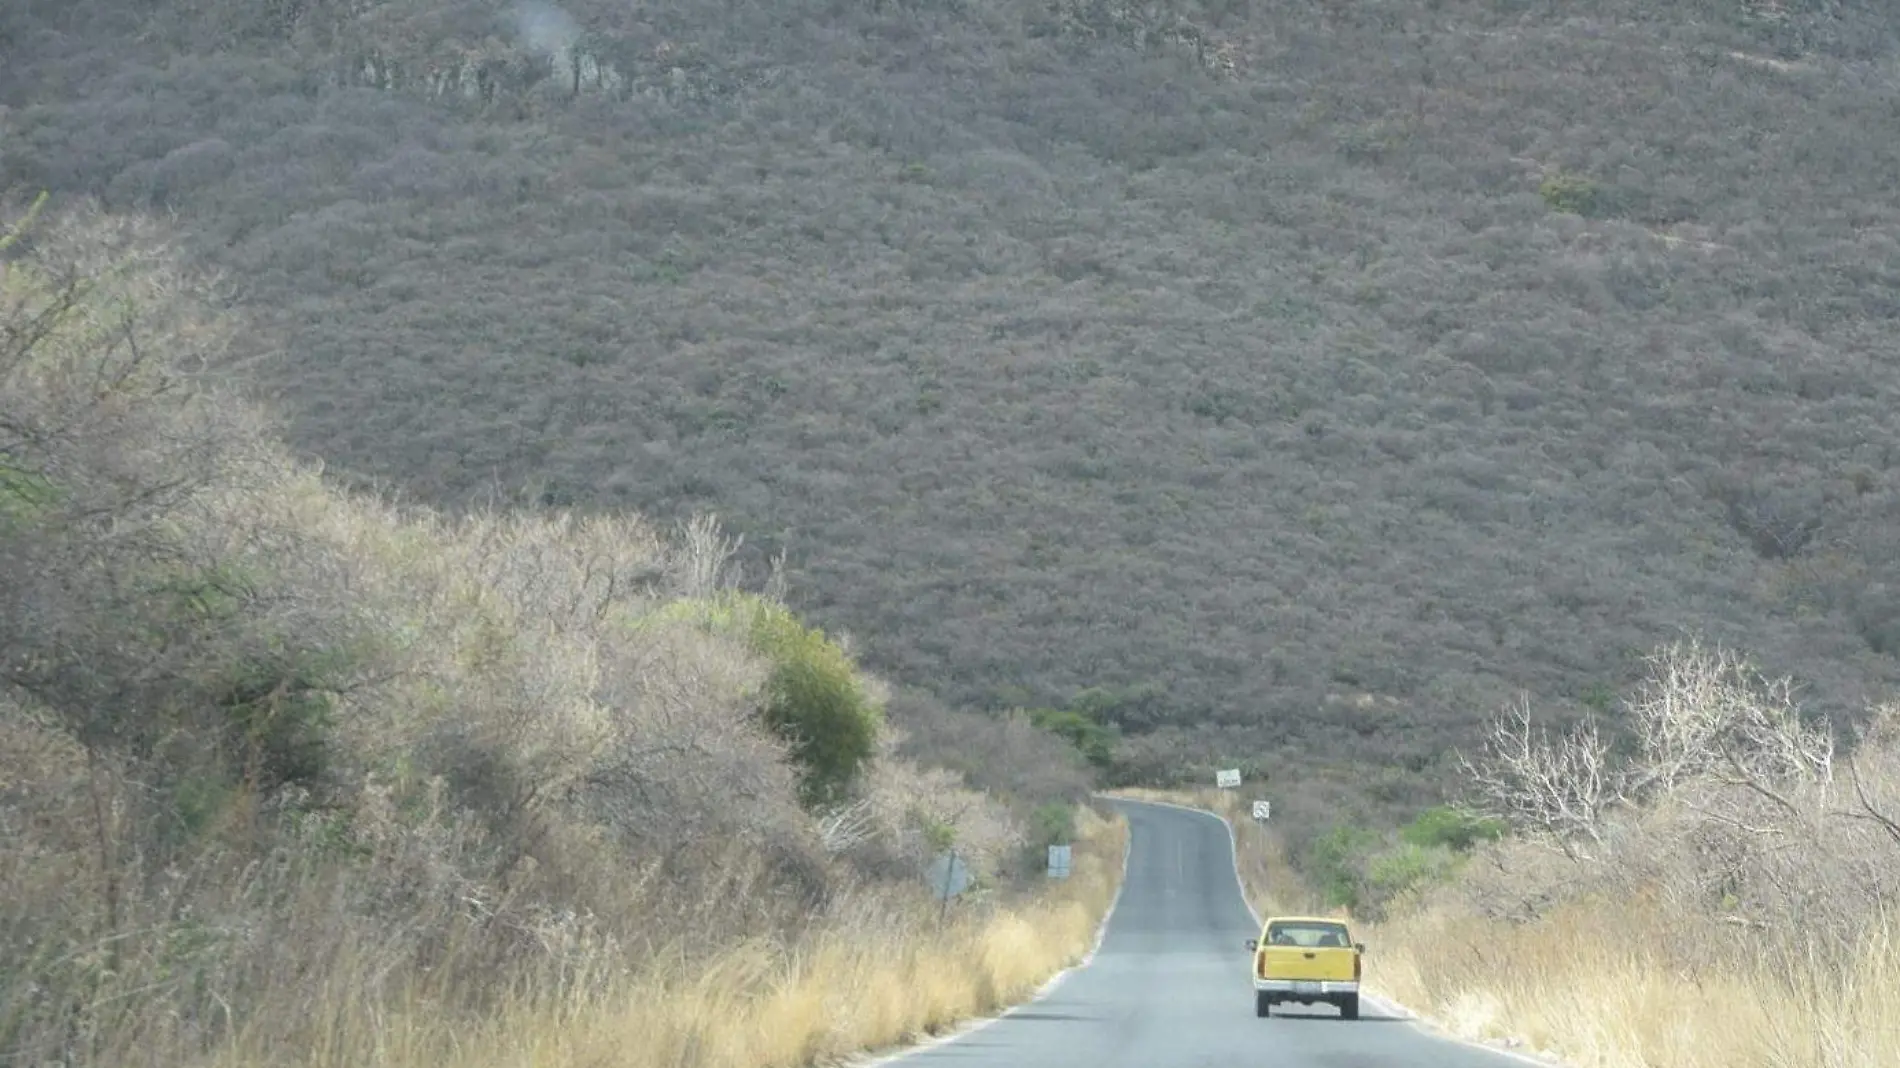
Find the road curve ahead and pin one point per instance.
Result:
(1169, 986)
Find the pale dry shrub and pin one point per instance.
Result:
(995, 753)
(917, 812)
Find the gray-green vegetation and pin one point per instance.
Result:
(1308, 377)
(1366, 869)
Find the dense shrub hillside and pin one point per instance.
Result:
(1305, 376)
(294, 775)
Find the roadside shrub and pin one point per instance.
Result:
(1368, 871)
(1054, 825)
(813, 698)
(1402, 870)
(1450, 827)
(1336, 862)
(1734, 839)
(1729, 801)
(1004, 755)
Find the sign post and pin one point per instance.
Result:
(949, 876)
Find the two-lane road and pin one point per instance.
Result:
(1168, 987)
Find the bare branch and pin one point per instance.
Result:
(703, 555)
(1868, 810)
(1562, 789)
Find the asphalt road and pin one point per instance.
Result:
(1169, 986)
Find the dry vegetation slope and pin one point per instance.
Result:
(290, 776)
(1720, 894)
(1393, 356)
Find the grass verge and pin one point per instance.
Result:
(885, 973)
(1602, 984)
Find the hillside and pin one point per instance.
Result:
(1310, 375)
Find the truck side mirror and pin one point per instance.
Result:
(1253, 944)
(1359, 947)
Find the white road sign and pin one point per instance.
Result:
(1262, 810)
(1228, 779)
(1059, 862)
(949, 876)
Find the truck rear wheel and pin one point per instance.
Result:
(1349, 1007)
(1261, 1006)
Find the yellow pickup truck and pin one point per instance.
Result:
(1308, 959)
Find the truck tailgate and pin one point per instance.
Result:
(1328, 964)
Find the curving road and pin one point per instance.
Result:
(1168, 987)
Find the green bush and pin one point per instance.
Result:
(1366, 870)
(1404, 868)
(1337, 861)
(1095, 741)
(277, 717)
(264, 700)
(24, 493)
(1052, 824)
(1570, 193)
(814, 698)
(1129, 708)
(1450, 828)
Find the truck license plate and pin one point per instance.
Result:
(1305, 986)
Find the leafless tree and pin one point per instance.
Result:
(1560, 789)
(1711, 712)
(703, 556)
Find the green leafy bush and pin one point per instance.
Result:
(1336, 862)
(1365, 870)
(814, 698)
(1095, 741)
(1053, 824)
(1450, 828)
(1570, 193)
(1403, 868)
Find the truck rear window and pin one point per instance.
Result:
(1307, 935)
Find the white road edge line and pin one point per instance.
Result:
(973, 1026)
(1387, 1004)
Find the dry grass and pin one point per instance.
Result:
(1607, 985)
(881, 972)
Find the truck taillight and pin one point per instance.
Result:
(1358, 962)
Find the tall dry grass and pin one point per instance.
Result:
(295, 776)
(1631, 984)
(881, 970)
